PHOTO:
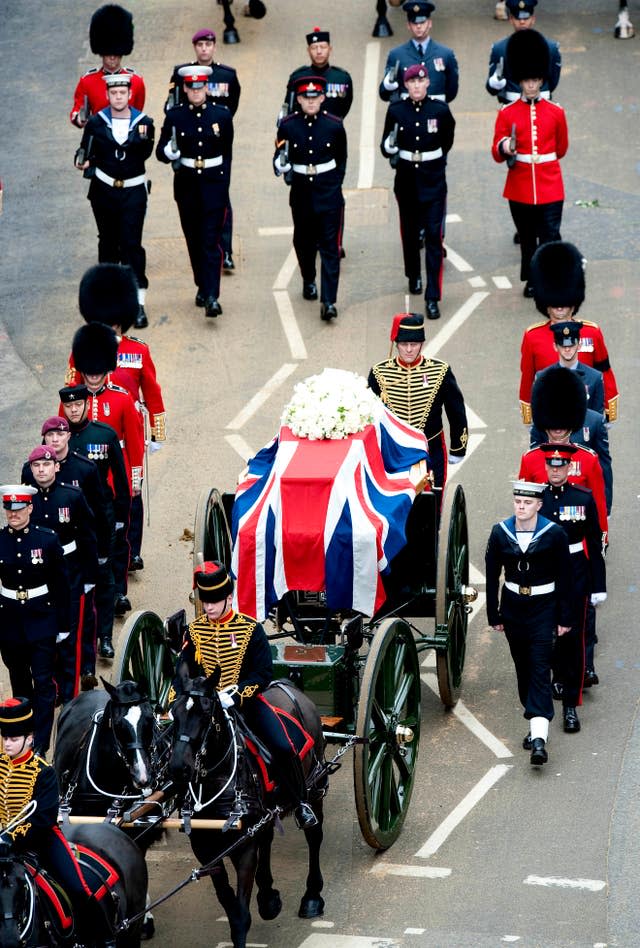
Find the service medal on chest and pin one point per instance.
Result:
(36, 557)
(64, 514)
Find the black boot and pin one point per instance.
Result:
(291, 779)
(106, 647)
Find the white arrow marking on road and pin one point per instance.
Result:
(470, 721)
(502, 282)
(240, 446)
(457, 261)
(261, 396)
(286, 271)
(476, 578)
(473, 420)
(394, 869)
(477, 282)
(367, 149)
(592, 885)
(290, 325)
(275, 231)
(457, 320)
(475, 440)
(459, 812)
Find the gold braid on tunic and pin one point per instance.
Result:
(410, 391)
(224, 644)
(17, 782)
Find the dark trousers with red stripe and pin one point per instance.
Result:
(268, 726)
(31, 666)
(318, 231)
(568, 656)
(68, 652)
(416, 216)
(56, 856)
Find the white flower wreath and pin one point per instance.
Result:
(334, 404)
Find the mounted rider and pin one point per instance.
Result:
(238, 645)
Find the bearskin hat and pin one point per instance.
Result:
(108, 294)
(558, 400)
(557, 276)
(111, 31)
(527, 55)
(95, 349)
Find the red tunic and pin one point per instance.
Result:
(537, 352)
(93, 86)
(541, 131)
(584, 469)
(136, 372)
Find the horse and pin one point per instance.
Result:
(36, 912)
(212, 759)
(253, 8)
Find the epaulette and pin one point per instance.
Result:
(508, 105)
(589, 322)
(84, 459)
(93, 70)
(536, 447)
(224, 66)
(117, 388)
(584, 447)
(291, 115)
(429, 361)
(334, 118)
(72, 487)
(543, 322)
(36, 526)
(130, 70)
(587, 490)
(112, 431)
(135, 339)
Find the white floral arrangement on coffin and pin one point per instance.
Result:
(334, 404)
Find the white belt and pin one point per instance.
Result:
(315, 169)
(537, 159)
(531, 590)
(441, 97)
(514, 96)
(200, 163)
(69, 547)
(21, 595)
(420, 155)
(576, 548)
(120, 182)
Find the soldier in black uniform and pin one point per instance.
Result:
(311, 152)
(63, 508)
(535, 604)
(500, 82)
(99, 443)
(339, 85)
(418, 135)
(115, 145)
(35, 606)
(417, 389)
(573, 507)
(223, 88)
(197, 140)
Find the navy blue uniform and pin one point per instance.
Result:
(201, 184)
(223, 87)
(530, 620)
(339, 91)
(441, 64)
(318, 153)
(511, 90)
(425, 132)
(35, 607)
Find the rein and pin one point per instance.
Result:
(201, 773)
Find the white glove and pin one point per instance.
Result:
(119, 526)
(281, 164)
(88, 587)
(389, 148)
(597, 598)
(155, 446)
(389, 83)
(170, 153)
(497, 83)
(455, 458)
(62, 636)
(102, 560)
(226, 700)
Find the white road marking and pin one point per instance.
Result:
(510, 938)
(347, 941)
(287, 270)
(476, 578)
(591, 885)
(290, 325)
(414, 931)
(453, 219)
(470, 721)
(477, 282)
(473, 420)
(463, 808)
(240, 446)
(368, 146)
(322, 923)
(502, 282)
(275, 231)
(418, 872)
(457, 320)
(261, 397)
(457, 261)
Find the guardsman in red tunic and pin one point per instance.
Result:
(558, 283)
(111, 37)
(531, 136)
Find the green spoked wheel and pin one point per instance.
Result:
(389, 720)
(143, 652)
(211, 534)
(452, 594)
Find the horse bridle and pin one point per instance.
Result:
(199, 771)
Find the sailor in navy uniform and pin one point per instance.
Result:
(311, 151)
(115, 145)
(223, 88)
(339, 84)
(200, 153)
(35, 605)
(535, 604)
(63, 508)
(500, 81)
(573, 508)
(420, 50)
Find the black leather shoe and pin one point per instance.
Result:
(433, 310)
(141, 321)
(212, 307)
(309, 291)
(571, 720)
(516, 238)
(342, 253)
(528, 291)
(121, 605)
(415, 286)
(526, 744)
(305, 817)
(135, 563)
(227, 262)
(590, 678)
(556, 690)
(106, 648)
(328, 311)
(538, 753)
(88, 681)
(199, 300)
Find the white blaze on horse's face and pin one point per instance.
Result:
(140, 774)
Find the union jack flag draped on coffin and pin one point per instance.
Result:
(324, 515)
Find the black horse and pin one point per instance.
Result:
(222, 777)
(34, 910)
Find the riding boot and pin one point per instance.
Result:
(291, 779)
(96, 922)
